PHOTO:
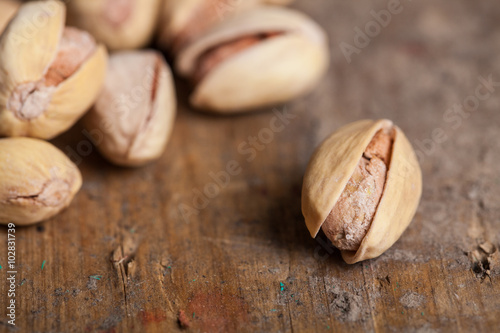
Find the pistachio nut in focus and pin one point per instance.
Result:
(182, 21)
(8, 9)
(133, 117)
(362, 188)
(119, 24)
(37, 181)
(260, 57)
(50, 74)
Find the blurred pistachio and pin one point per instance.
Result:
(133, 117)
(37, 181)
(259, 57)
(49, 75)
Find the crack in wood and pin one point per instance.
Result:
(122, 259)
(124, 255)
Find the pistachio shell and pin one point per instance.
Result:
(273, 71)
(330, 169)
(37, 181)
(8, 9)
(27, 52)
(133, 117)
(119, 24)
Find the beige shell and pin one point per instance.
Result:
(182, 21)
(26, 52)
(37, 181)
(133, 117)
(330, 169)
(270, 72)
(119, 24)
(8, 9)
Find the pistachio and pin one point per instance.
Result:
(133, 117)
(8, 9)
(182, 21)
(119, 24)
(362, 187)
(263, 56)
(49, 75)
(37, 181)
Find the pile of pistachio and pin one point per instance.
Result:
(62, 61)
(83, 60)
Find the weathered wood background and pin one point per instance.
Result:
(123, 259)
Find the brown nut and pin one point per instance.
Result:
(37, 181)
(8, 9)
(49, 75)
(133, 117)
(362, 187)
(182, 21)
(263, 56)
(119, 24)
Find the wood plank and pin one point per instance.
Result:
(123, 258)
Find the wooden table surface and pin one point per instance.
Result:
(133, 250)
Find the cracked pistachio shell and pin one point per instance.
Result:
(8, 9)
(133, 117)
(330, 169)
(37, 181)
(119, 24)
(273, 71)
(26, 52)
(181, 21)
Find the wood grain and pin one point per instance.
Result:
(123, 258)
